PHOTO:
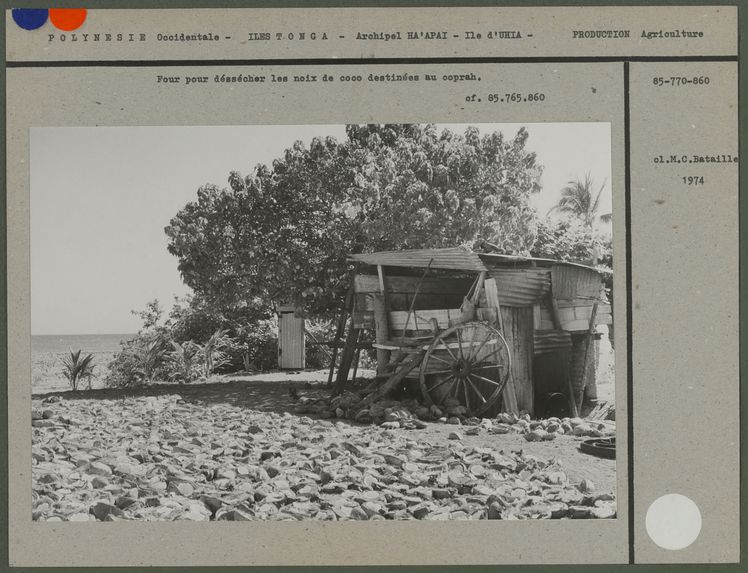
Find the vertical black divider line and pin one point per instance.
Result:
(629, 311)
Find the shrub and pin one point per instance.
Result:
(76, 368)
(184, 362)
(213, 352)
(257, 345)
(142, 360)
(319, 331)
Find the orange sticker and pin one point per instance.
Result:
(67, 19)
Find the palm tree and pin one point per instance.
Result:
(76, 368)
(578, 199)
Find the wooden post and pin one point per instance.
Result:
(554, 312)
(346, 358)
(478, 287)
(587, 354)
(381, 325)
(339, 332)
(357, 356)
(572, 398)
(509, 393)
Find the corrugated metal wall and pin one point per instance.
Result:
(551, 341)
(571, 282)
(521, 287)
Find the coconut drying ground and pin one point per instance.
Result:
(245, 449)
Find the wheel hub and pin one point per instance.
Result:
(461, 368)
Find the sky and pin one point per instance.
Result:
(101, 197)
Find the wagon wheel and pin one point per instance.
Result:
(469, 362)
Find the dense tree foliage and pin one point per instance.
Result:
(282, 233)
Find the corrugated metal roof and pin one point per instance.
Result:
(494, 259)
(455, 258)
(521, 287)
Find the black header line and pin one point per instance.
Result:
(357, 61)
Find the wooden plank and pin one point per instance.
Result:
(348, 308)
(556, 317)
(403, 370)
(509, 395)
(518, 332)
(401, 284)
(346, 359)
(380, 273)
(420, 320)
(478, 287)
(536, 316)
(587, 354)
(489, 315)
(573, 318)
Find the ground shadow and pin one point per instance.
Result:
(262, 395)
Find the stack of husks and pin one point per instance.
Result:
(156, 459)
(412, 414)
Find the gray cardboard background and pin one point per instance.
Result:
(191, 544)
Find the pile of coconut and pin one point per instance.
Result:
(412, 414)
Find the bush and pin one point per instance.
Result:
(317, 355)
(185, 362)
(142, 360)
(76, 368)
(256, 344)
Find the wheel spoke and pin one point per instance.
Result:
(488, 380)
(479, 367)
(475, 389)
(441, 383)
(456, 387)
(477, 352)
(439, 371)
(459, 341)
(448, 349)
(448, 392)
(465, 391)
(440, 359)
(497, 351)
(472, 340)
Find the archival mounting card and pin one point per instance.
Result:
(421, 286)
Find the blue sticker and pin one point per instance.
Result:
(30, 18)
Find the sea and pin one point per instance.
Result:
(88, 343)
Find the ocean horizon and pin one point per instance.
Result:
(88, 343)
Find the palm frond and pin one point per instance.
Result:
(75, 368)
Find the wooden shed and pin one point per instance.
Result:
(547, 311)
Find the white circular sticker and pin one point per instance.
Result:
(673, 521)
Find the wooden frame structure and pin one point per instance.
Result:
(547, 312)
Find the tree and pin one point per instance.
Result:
(571, 241)
(579, 200)
(565, 240)
(76, 368)
(282, 234)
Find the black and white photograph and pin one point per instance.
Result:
(322, 322)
